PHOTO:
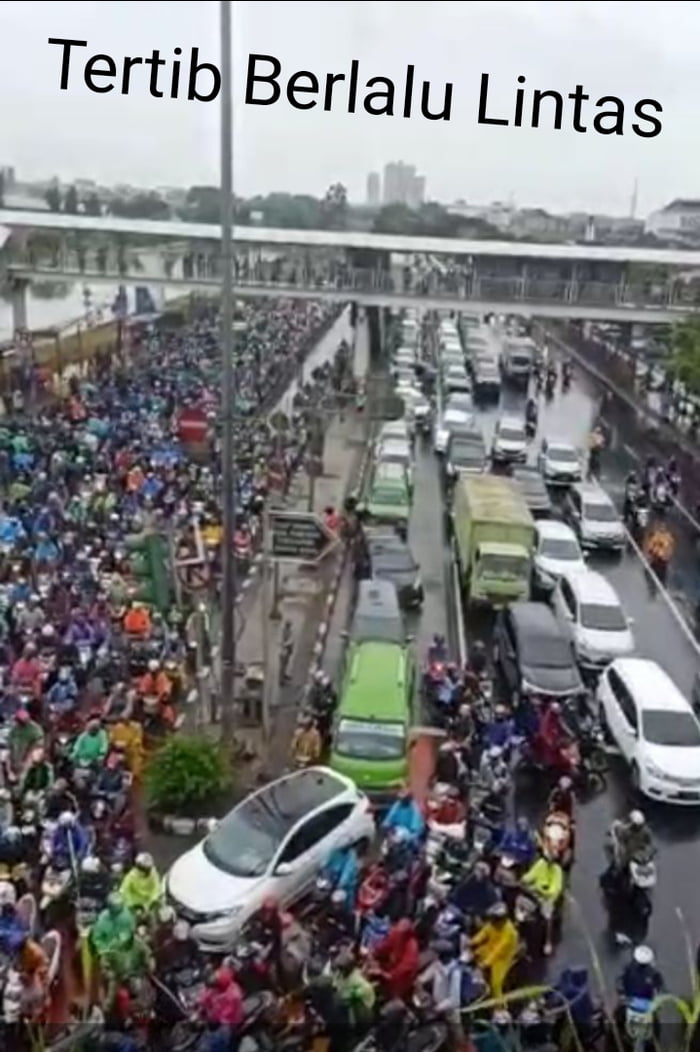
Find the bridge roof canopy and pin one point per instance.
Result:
(180, 231)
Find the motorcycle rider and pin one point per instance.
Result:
(563, 798)
(519, 843)
(397, 956)
(573, 988)
(111, 782)
(493, 770)
(25, 734)
(355, 992)
(641, 978)
(545, 879)
(141, 888)
(38, 774)
(531, 413)
(444, 979)
(221, 1004)
(113, 927)
(437, 651)
(495, 947)
(476, 893)
(629, 907)
(70, 842)
(343, 871)
(499, 731)
(91, 746)
(659, 547)
(631, 839)
(307, 746)
(405, 814)
(95, 881)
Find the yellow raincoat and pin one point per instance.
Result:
(495, 948)
(128, 735)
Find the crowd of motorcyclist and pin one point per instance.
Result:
(90, 675)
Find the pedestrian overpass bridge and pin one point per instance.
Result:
(590, 282)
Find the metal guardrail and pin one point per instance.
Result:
(468, 286)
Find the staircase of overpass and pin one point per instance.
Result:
(577, 282)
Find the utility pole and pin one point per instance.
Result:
(228, 408)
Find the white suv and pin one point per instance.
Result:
(594, 517)
(600, 630)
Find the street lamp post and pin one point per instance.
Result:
(228, 408)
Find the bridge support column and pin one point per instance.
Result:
(18, 303)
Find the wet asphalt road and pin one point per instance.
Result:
(570, 416)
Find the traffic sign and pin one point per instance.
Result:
(300, 537)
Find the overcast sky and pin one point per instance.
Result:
(642, 50)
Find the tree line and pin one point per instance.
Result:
(288, 211)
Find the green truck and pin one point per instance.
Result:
(494, 536)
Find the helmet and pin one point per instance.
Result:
(555, 707)
(643, 955)
(495, 752)
(143, 860)
(8, 895)
(565, 783)
(637, 818)
(152, 665)
(181, 930)
(91, 864)
(166, 915)
(66, 818)
(5, 796)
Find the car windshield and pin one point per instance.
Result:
(564, 454)
(466, 451)
(520, 361)
(678, 729)
(393, 455)
(506, 566)
(392, 560)
(244, 843)
(378, 629)
(603, 617)
(511, 434)
(370, 740)
(560, 548)
(540, 651)
(600, 512)
(390, 495)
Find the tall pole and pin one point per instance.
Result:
(228, 407)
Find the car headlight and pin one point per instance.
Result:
(417, 584)
(655, 772)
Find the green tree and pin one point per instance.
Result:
(92, 205)
(53, 198)
(685, 352)
(398, 219)
(140, 206)
(202, 205)
(334, 207)
(70, 201)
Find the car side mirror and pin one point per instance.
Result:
(284, 869)
(410, 639)
(345, 634)
(630, 621)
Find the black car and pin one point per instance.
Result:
(534, 491)
(390, 559)
(533, 653)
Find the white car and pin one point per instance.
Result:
(509, 445)
(460, 401)
(456, 380)
(396, 451)
(594, 517)
(393, 429)
(600, 631)
(560, 463)
(451, 420)
(557, 551)
(417, 405)
(655, 729)
(274, 843)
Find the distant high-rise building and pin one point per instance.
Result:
(402, 185)
(374, 189)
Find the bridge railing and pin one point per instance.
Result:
(287, 275)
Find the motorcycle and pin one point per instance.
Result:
(639, 1023)
(660, 496)
(530, 427)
